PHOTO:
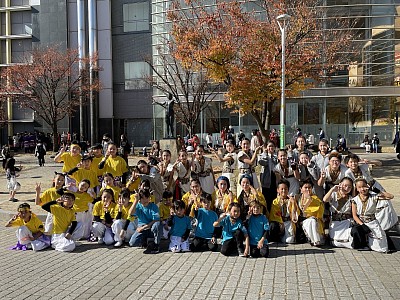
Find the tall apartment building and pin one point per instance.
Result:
(362, 98)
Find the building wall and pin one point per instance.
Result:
(359, 99)
(50, 28)
(133, 109)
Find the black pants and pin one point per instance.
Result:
(41, 160)
(235, 244)
(360, 238)
(301, 237)
(255, 252)
(270, 193)
(275, 232)
(391, 245)
(199, 244)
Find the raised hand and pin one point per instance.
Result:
(37, 187)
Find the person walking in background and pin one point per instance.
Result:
(396, 139)
(11, 174)
(375, 143)
(209, 140)
(5, 154)
(40, 152)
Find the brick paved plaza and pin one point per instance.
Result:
(99, 272)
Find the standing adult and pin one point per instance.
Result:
(268, 160)
(273, 136)
(396, 139)
(241, 137)
(310, 140)
(321, 134)
(124, 147)
(106, 140)
(254, 142)
(367, 143)
(169, 115)
(375, 143)
(223, 135)
(5, 154)
(209, 140)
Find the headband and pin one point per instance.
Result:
(250, 178)
(220, 178)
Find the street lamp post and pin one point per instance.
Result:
(283, 22)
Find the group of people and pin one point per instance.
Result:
(297, 197)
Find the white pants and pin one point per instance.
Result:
(116, 228)
(340, 233)
(102, 231)
(377, 240)
(85, 218)
(310, 227)
(386, 215)
(48, 224)
(23, 235)
(289, 236)
(60, 243)
(176, 244)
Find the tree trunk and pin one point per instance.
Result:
(55, 137)
(264, 132)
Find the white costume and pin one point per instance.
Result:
(377, 237)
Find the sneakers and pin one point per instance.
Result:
(100, 241)
(13, 200)
(118, 244)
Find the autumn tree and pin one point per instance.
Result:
(190, 87)
(48, 81)
(239, 43)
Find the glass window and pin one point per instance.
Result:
(135, 72)
(136, 16)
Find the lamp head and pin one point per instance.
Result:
(283, 18)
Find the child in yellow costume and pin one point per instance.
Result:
(284, 215)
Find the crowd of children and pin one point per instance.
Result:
(296, 198)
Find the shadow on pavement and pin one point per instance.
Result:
(274, 253)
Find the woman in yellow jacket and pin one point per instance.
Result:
(222, 196)
(312, 211)
(248, 194)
